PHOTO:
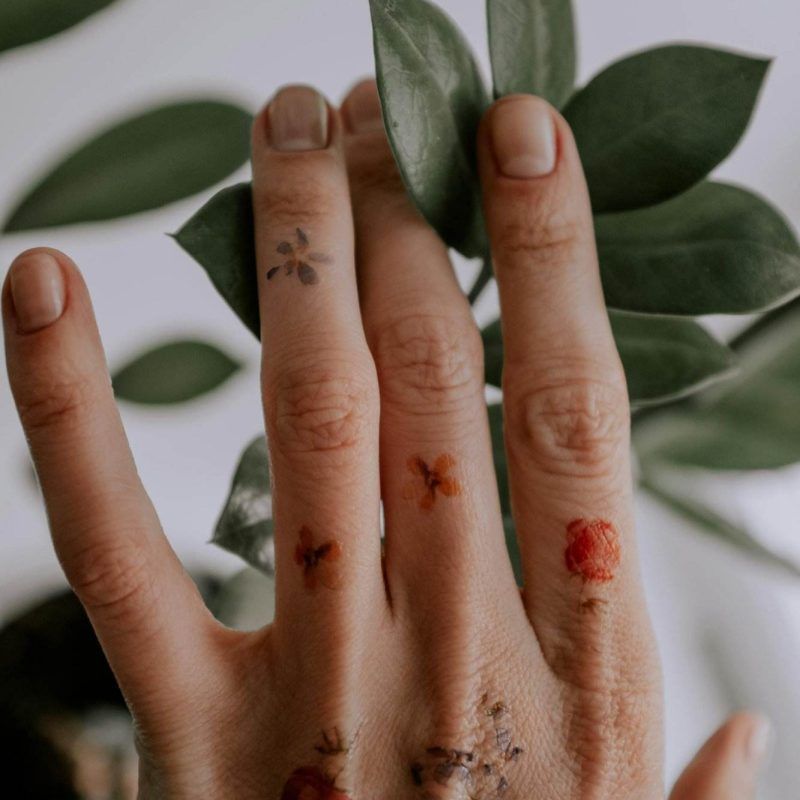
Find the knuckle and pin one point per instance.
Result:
(55, 403)
(302, 199)
(112, 577)
(575, 427)
(428, 363)
(321, 409)
(545, 237)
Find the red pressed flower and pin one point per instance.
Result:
(311, 783)
(317, 561)
(431, 480)
(593, 550)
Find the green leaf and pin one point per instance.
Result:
(245, 525)
(748, 423)
(499, 453)
(140, 163)
(532, 48)
(713, 524)
(501, 473)
(26, 21)
(664, 357)
(220, 237)
(714, 249)
(174, 373)
(433, 98)
(652, 125)
(246, 601)
(512, 546)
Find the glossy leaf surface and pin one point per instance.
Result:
(245, 525)
(433, 98)
(714, 249)
(532, 48)
(221, 238)
(654, 124)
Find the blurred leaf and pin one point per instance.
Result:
(512, 546)
(664, 357)
(221, 239)
(532, 47)
(499, 452)
(140, 163)
(749, 423)
(26, 21)
(246, 601)
(174, 373)
(433, 98)
(245, 525)
(652, 125)
(714, 249)
(712, 523)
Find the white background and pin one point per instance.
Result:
(729, 631)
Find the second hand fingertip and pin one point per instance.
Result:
(523, 137)
(38, 290)
(298, 120)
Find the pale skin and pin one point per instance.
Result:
(430, 675)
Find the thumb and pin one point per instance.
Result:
(727, 766)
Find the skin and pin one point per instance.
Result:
(428, 674)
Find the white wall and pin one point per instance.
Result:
(729, 632)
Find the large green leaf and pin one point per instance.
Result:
(652, 125)
(25, 21)
(221, 239)
(532, 47)
(245, 525)
(433, 98)
(664, 357)
(174, 373)
(714, 249)
(751, 422)
(140, 163)
(711, 523)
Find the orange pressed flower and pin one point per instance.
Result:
(431, 480)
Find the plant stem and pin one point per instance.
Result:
(716, 525)
(484, 276)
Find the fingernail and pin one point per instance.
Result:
(523, 137)
(759, 741)
(364, 109)
(298, 120)
(37, 289)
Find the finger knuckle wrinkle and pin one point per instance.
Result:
(322, 410)
(544, 239)
(55, 404)
(298, 202)
(112, 577)
(577, 428)
(429, 363)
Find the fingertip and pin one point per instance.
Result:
(35, 290)
(361, 108)
(521, 132)
(297, 119)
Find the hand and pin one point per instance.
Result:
(427, 673)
